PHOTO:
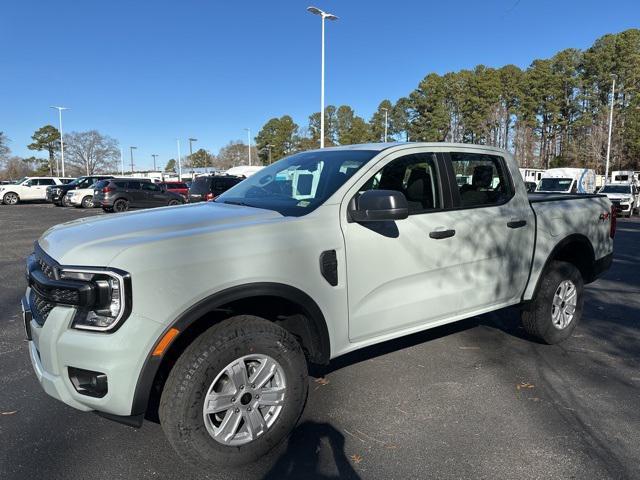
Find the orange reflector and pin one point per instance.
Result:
(165, 341)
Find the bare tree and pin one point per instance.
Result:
(91, 152)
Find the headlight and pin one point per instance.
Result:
(112, 298)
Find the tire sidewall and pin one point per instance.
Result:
(7, 195)
(198, 367)
(557, 273)
(86, 201)
(120, 202)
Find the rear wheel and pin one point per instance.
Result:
(65, 202)
(87, 202)
(557, 308)
(120, 205)
(235, 393)
(10, 198)
(173, 203)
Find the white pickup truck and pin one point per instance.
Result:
(207, 315)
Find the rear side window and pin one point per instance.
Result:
(415, 176)
(101, 184)
(45, 181)
(482, 180)
(134, 185)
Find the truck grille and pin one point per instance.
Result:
(40, 308)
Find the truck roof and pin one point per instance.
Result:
(384, 146)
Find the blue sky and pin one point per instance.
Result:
(147, 72)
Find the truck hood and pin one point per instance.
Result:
(96, 241)
(618, 196)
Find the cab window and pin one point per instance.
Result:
(482, 180)
(415, 176)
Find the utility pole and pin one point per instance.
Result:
(179, 160)
(131, 149)
(613, 93)
(122, 160)
(154, 161)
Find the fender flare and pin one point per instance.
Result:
(316, 330)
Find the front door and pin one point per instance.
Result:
(403, 274)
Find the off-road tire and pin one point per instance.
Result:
(182, 400)
(536, 317)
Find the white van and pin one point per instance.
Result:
(624, 176)
(568, 180)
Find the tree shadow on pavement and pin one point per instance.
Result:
(302, 457)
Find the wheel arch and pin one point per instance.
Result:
(575, 249)
(287, 306)
(10, 191)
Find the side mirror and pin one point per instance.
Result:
(379, 206)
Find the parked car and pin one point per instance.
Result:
(28, 188)
(210, 186)
(176, 187)
(321, 253)
(567, 180)
(80, 197)
(121, 194)
(58, 193)
(624, 197)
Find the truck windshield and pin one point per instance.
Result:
(616, 189)
(297, 185)
(555, 184)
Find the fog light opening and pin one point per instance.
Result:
(87, 382)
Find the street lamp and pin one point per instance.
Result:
(386, 122)
(613, 91)
(60, 109)
(191, 140)
(249, 140)
(131, 149)
(154, 155)
(329, 16)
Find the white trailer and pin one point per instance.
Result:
(568, 180)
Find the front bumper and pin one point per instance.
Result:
(55, 347)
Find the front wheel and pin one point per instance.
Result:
(10, 198)
(87, 202)
(557, 308)
(235, 393)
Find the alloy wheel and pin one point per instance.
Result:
(564, 305)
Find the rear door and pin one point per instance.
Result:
(494, 226)
(38, 189)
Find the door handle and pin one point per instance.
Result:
(440, 234)
(516, 223)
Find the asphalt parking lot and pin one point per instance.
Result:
(476, 399)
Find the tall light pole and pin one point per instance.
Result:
(154, 155)
(249, 140)
(613, 92)
(386, 122)
(122, 160)
(179, 160)
(329, 16)
(191, 140)
(131, 149)
(60, 109)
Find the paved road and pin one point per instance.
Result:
(473, 400)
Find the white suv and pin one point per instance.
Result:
(29, 188)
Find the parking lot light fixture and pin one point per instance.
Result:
(329, 16)
(191, 140)
(131, 149)
(179, 160)
(60, 109)
(154, 155)
(386, 122)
